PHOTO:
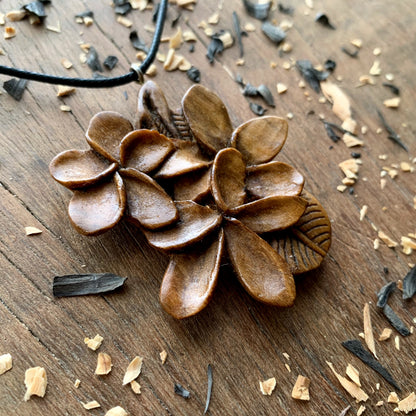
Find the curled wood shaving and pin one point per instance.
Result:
(349, 386)
(385, 334)
(340, 102)
(133, 370)
(267, 386)
(341, 188)
(353, 374)
(91, 405)
(368, 330)
(32, 231)
(189, 36)
(163, 356)
(103, 364)
(408, 404)
(301, 388)
(116, 411)
(135, 386)
(393, 398)
(387, 240)
(6, 363)
(35, 382)
(94, 343)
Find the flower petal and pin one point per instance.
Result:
(98, 208)
(207, 117)
(195, 222)
(227, 179)
(186, 158)
(105, 133)
(260, 139)
(193, 186)
(273, 179)
(78, 168)
(263, 273)
(144, 150)
(190, 280)
(270, 214)
(148, 204)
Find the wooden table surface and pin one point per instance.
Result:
(243, 340)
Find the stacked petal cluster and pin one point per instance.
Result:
(199, 191)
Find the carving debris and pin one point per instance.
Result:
(267, 386)
(35, 382)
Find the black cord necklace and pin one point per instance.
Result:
(135, 74)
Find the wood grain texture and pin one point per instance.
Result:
(243, 340)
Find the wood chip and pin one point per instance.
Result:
(35, 382)
(375, 68)
(286, 355)
(64, 91)
(189, 36)
(172, 61)
(133, 370)
(361, 410)
(103, 364)
(350, 168)
(152, 71)
(249, 27)
(406, 167)
(175, 41)
(135, 386)
(392, 102)
(32, 230)
(91, 405)
(309, 3)
(353, 374)
(66, 63)
(281, 88)
(379, 403)
(6, 363)
(363, 212)
(9, 32)
(358, 43)
(397, 342)
(387, 240)
(340, 102)
(376, 244)
(214, 18)
(348, 181)
(116, 411)
(385, 334)
(124, 21)
(408, 404)
(94, 343)
(185, 3)
(2, 19)
(408, 245)
(301, 388)
(163, 356)
(368, 330)
(341, 188)
(393, 398)
(65, 108)
(377, 51)
(77, 383)
(288, 368)
(349, 386)
(267, 386)
(88, 21)
(16, 15)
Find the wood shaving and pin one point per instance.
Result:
(353, 374)
(368, 330)
(64, 91)
(341, 188)
(286, 25)
(6, 363)
(387, 240)
(376, 244)
(133, 370)
(35, 382)
(301, 388)
(377, 386)
(406, 167)
(281, 88)
(9, 32)
(65, 108)
(189, 36)
(363, 212)
(32, 230)
(348, 181)
(389, 77)
(267, 386)
(85, 47)
(366, 80)
(309, 3)
(172, 61)
(124, 21)
(377, 51)
(116, 411)
(163, 356)
(83, 58)
(138, 4)
(349, 386)
(408, 404)
(364, 129)
(103, 364)
(175, 41)
(185, 3)
(2, 19)
(408, 245)
(322, 100)
(286, 355)
(226, 39)
(340, 102)
(379, 403)
(214, 18)
(77, 383)
(94, 343)
(16, 15)
(392, 102)
(141, 56)
(185, 65)
(287, 47)
(375, 69)
(358, 43)
(152, 71)
(88, 21)
(288, 368)
(286, 65)
(135, 386)
(397, 342)
(289, 116)
(67, 64)
(393, 398)
(240, 62)
(249, 27)
(91, 405)
(385, 334)
(361, 410)
(351, 141)
(350, 168)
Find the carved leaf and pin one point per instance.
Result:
(305, 245)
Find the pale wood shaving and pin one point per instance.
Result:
(286, 24)
(214, 18)
(408, 245)
(240, 62)
(393, 398)
(358, 43)
(286, 65)
(389, 77)
(152, 71)
(309, 3)
(366, 80)
(379, 403)
(288, 368)
(287, 47)
(351, 141)
(103, 364)
(66, 63)
(353, 374)
(375, 68)
(85, 47)
(163, 356)
(406, 167)
(289, 116)
(175, 41)
(139, 4)
(77, 383)
(377, 51)
(185, 3)
(135, 386)
(385, 334)
(35, 382)
(348, 181)
(400, 284)
(32, 230)
(363, 212)
(397, 342)
(387, 240)
(91, 405)
(341, 188)
(94, 343)
(2, 19)
(249, 27)
(9, 32)
(408, 404)
(133, 370)
(301, 388)
(368, 330)
(376, 244)
(83, 58)
(16, 15)
(340, 102)
(172, 61)
(185, 65)
(322, 100)
(64, 91)
(349, 386)
(226, 39)
(364, 129)
(141, 56)
(286, 355)
(267, 386)
(6, 363)
(361, 410)
(377, 386)
(189, 36)
(124, 21)
(65, 108)
(281, 88)
(383, 183)
(392, 102)
(350, 168)
(116, 411)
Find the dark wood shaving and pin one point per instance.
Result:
(98, 75)
(384, 294)
(137, 43)
(239, 80)
(123, 9)
(330, 65)
(181, 391)
(311, 75)
(285, 9)
(392, 134)
(351, 54)
(93, 61)
(110, 62)
(215, 47)
(87, 13)
(355, 347)
(209, 388)
(274, 33)
(237, 28)
(86, 284)
(395, 90)
(250, 90)
(330, 132)
(345, 411)
(338, 128)
(192, 48)
(395, 321)
(258, 11)
(266, 94)
(323, 19)
(194, 74)
(175, 21)
(257, 109)
(15, 88)
(36, 8)
(355, 155)
(409, 284)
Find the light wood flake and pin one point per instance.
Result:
(163, 356)
(175, 41)
(124, 21)
(340, 102)
(408, 245)
(380, 403)
(91, 405)
(133, 370)
(363, 212)
(361, 410)
(393, 398)
(408, 404)
(66, 63)
(35, 382)
(385, 334)
(9, 32)
(135, 386)
(64, 91)
(281, 88)
(392, 102)
(16, 15)
(368, 330)
(116, 411)
(353, 374)
(32, 231)
(397, 342)
(94, 343)
(267, 386)
(387, 240)
(77, 383)
(6, 363)
(375, 68)
(103, 364)
(301, 388)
